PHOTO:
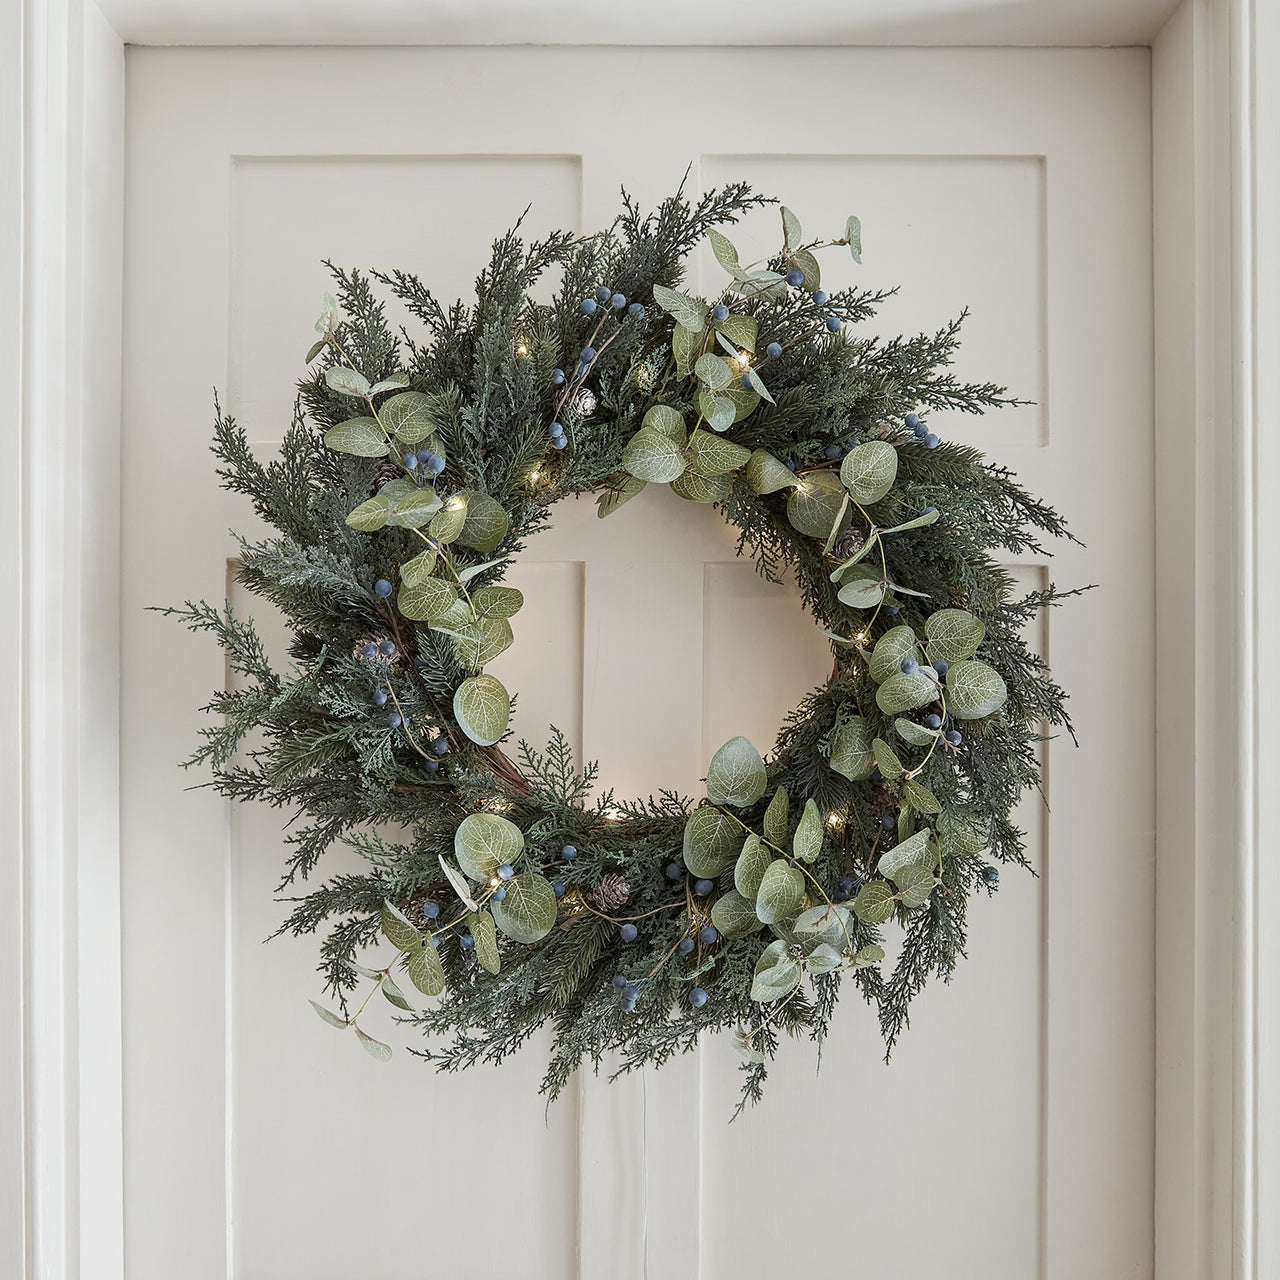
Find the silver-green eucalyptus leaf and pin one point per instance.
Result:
(482, 708)
(736, 774)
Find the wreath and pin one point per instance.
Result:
(413, 472)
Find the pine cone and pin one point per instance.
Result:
(583, 403)
(612, 892)
(374, 638)
(385, 471)
(847, 544)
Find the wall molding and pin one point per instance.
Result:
(1218, 270)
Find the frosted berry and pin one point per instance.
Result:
(933, 722)
(380, 698)
(499, 894)
(931, 441)
(891, 610)
(569, 852)
(383, 588)
(435, 464)
(911, 421)
(795, 277)
(708, 934)
(790, 464)
(505, 872)
(387, 648)
(635, 309)
(559, 442)
(410, 460)
(920, 431)
(628, 1004)
(834, 324)
(587, 355)
(431, 766)
(929, 511)
(557, 377)
(941, 666)
(955, 737)
(703, 887)
(888, 822)
(685, 946)
(746, 378)
(602, 293)
(773, 350)
(440, 745)
(557, 887)
(674, 871)
(619, 981)
(369, 651)
(588, 306)
(844, 887)
(628, 933)
(394, 720)
(819, 297)
(833, 451)
(631, 992)
(430, 910)
(910, 666)
(991, 874)
(697, 997)
(618, 301)
(719, 313)
(467, 942)
(555, 429)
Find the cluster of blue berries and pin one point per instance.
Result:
(371, 651)
(795, 278)
(605, 297)
(556, 432)
(432, 463)
(920, 430)
(847, 886)
(933, 721)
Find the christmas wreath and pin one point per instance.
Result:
(511, 897)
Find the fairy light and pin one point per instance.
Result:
(744, 358)
(535, 476)
(612, 814)
(834, 821)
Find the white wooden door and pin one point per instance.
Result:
(1011, 1136)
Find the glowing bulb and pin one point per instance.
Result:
(744, 358)
(494, 882)
(834, 820)
(521, 349)
(613, 815)
(535, 476)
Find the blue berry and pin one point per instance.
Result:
(436, 464)
(383, 588)
(708, 934)
(955, 737)
(499, 894)
(635, 309)
(410, 460)
(431, 766)
(834, 324)
(588, 306)
(819, 297)
(891, 610)
(746, 379)
(430, 910)
(369, 652)
(929, 511)
(833, 451)
(631, 991)
(719, 313)
(674, 871)
(618, 981)
(910, 666)
(876, 777)
(703, 887)
(602, 293)
(920, 431)
(555, 429)
(559, 442)
(697, 997)
(557, 377)
(569, 852)
(931, 441)
(587, 355)
(505, 872)
(941, 666)
(795, 277)
(790, 464)
(440, 745)
(628, 1004)
(618, 301)
(467, 942)
(387, 648)
(685, 946)
(844, 887)
(628, 933)
(773, 350)
(911, 421)
(557, 887)
(991, 874)
(380, 698)
(394, 720)
(933, 722)
(888, 822)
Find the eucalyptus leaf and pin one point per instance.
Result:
(413, 573)
(711, 839)
(874, 903)
(412, 510)
(477, 644)
(853, 234)
(713, 372)
(775, 818)
(781, 891)
(904, 692)
(330, 316)
(666, 421)
(851, 754)
(954, 634)
(447, 522)
(345, 381)
(886, 761)
(315, 349)
(736, 774)
(863, 587)
(722, 247)
(734, 915)
(919, 797)
(694, 487)
(396, 928)
(333, 1019)
(915, 884)
(484, 841)
(652, 456)
(917, 522)
(753, 862)
(395, 995)
(745, 1044)
(915, 851)
(359, 436)
(460, 886)
(916, 734)
(485, 936)
(498, 601)
(807, 842)
(374, 1048)
(964, 829)
(714, 456)
(620, 491)
(871, 954)
(891, 650)
(425, 970)
(370, 515)
(482, 708)
(765, 474)
(792, 236)
(486, 524)
(869, 470)
(974, 690)
(756, 383)
(528, 912)
(823, 958)
(718, 409)
(808, 264)
(685, 345)
(408, 416)
(814, 505)
(690, 312)
(426, 601)
(740, 330)
(776, 973)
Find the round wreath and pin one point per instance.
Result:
(411, 476)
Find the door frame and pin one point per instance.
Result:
(1217, 308)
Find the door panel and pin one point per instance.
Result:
(1011, 1135)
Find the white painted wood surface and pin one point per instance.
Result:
(1031, 1077)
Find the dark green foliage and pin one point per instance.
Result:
(314, 743)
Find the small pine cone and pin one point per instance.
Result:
(847, 544)
(583, 403)
(612, 892)
(385, 471)
(374, 638)
(883, 801)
